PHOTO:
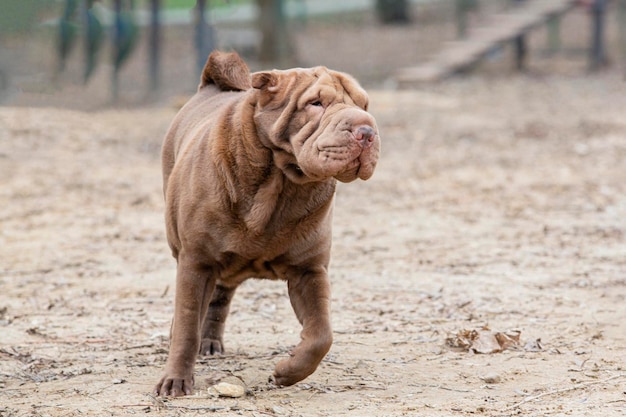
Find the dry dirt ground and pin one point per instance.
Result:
(497, 204)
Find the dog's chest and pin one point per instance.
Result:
(269, 255)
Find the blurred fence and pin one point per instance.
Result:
(116, 27)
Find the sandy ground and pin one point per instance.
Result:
(499, 205)
(496, 205)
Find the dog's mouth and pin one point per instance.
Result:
(357, 168)
(353, 163)
(345, 158)
(344, 163)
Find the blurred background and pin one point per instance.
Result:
(498, 203)
(89, 53)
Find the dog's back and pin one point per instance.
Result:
(224, 77)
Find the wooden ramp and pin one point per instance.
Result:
(505, 27)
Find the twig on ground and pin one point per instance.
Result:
(196, 408)
(439, 386)
(141, 346)
(159, 404)
(562, 390)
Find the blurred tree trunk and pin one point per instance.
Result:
(393, 11)
(275, 44)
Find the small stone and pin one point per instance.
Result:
(224, 389)
(278, 410)
(492, 378)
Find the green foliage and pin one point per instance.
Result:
(393, 11)
(94, 38)
(68, 29)
(18, 16)
(179, 4)
(127, 38)
(188, 4)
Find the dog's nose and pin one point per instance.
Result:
(364, 135)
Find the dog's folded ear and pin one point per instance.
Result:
(266, 81)
(227, 71)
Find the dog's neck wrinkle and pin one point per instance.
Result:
(241, 157)
(254, 152)
(258, 187)
(271, 203)
(263, 203)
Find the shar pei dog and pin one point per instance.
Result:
(250, 165)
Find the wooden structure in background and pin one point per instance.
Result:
(506, 28)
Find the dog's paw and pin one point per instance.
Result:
(211, 347)
(174, 387)
(291, 370)
(304, 359)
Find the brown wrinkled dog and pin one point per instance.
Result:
(249, 171)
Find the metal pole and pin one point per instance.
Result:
(554, 34)
(301, 12)
(621, 15)
(275, 45)
(155, 38)
(67, 32)
(521, 49)
(281, 27)
(204, 36)
(117, 35)
(462, 8)
(84, 22)
(598, 55)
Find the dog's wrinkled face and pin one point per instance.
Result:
(317, 123)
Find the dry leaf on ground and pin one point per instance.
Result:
(484, 340)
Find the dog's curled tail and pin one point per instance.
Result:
(227, 71)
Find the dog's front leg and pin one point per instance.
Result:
(194, 287)
(310, 297)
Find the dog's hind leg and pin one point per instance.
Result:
(212, 338)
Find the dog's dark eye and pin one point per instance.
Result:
(317, 103)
